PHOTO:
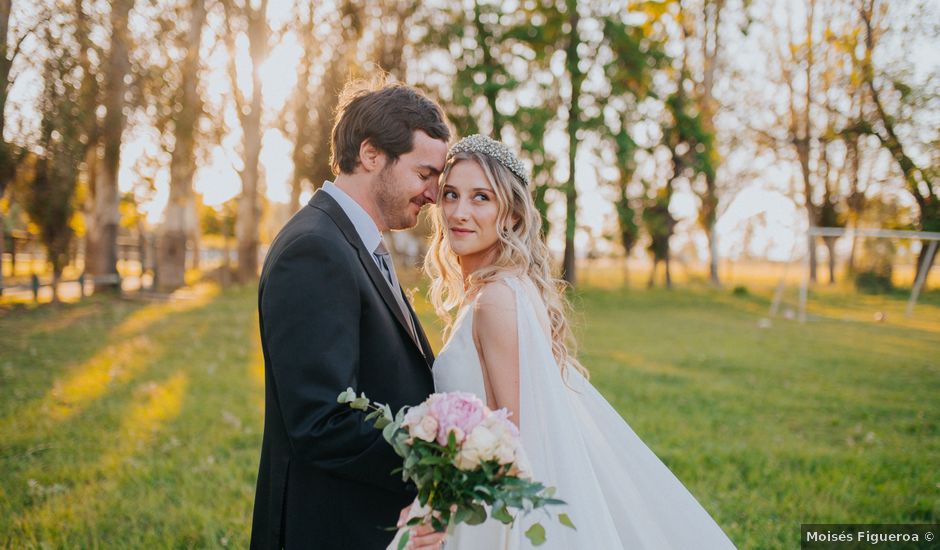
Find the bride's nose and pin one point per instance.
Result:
(461, 211)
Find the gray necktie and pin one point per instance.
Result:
(388, 269)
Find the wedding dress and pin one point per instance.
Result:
(618, 493)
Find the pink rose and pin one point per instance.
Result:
(458, 412)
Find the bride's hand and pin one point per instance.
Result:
(423, 536)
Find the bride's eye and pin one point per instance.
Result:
(450, 195)
(482, 196)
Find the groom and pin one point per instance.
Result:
(333, 316)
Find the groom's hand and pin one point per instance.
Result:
(423, 537)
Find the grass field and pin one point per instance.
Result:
(137, 425)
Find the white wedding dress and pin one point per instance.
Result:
(618, 494)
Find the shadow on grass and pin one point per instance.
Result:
(194, 486)
(102, 416)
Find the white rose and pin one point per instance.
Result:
(521, 467)
(467, 459)
(483, 441)
(505, 454)
(425, 429)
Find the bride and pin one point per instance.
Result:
(510, 344)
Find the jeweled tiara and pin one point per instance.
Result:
(477, 143)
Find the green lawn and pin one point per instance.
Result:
(137, 425)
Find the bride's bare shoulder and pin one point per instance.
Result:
(495, 296)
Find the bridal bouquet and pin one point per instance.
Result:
(461, 456)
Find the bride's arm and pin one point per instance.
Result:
(497, 341)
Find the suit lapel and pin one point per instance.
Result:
(324, 202)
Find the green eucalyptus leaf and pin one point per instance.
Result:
(381, 422)
(536, 534)
(403, 541)
(388, 432)
(565, 520)
(437, 524)
(499, 512)
(477, 514)
(360, 403)
(346, 396)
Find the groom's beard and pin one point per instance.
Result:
(396, 208)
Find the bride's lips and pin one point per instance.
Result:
(460, 232)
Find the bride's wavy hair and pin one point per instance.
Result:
(520, 247)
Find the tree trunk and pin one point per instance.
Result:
(193, 237)
(850, 264)
(93, 260)
(6, 160)
(712, 236)
(574, 123)
(107, 195)
(56, 277)
(856, 198)
(830, 243)
(249, 211)
(668, 274)
(246, 229)
(142, 250)
(196, 243)
(924, 247)
(226, 261)
(811, 250)
(171, 255)
(711, 53)
(802, 150)
(179, 214)
(2, 239)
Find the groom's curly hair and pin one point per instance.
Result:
(385, 114)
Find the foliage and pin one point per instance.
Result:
(635, 57)
(50, 196)
(219, 220)
(659, 223)
(873, 282)
(456, 495)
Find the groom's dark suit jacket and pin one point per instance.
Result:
(330, 321)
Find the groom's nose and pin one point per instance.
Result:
(430, 192)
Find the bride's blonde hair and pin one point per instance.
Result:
(520, 248)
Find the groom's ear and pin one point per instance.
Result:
(371, 157)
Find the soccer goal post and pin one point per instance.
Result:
(928, 239)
